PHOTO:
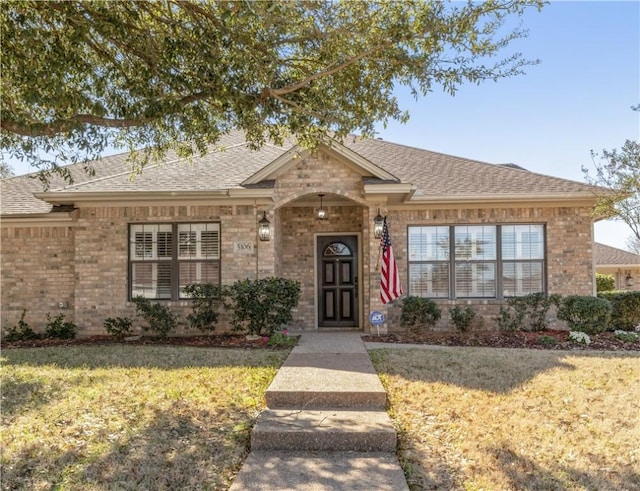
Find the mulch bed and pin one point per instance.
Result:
(500, 339)
(495, 339)
(213, 341)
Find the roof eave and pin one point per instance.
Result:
(103, 197)
(618, 265)
(48, 219)
(507, 198)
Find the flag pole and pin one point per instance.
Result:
(379, 250)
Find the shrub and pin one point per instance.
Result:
(160, 318)
(511, 316)
(462, 318)
(579, 337)
(627, 337)
(262, 306)
(532, 307)
(59, 329)
(418, 313)
(206, 300)
(585, 314)
(625, 309)
(21, 331)
(605, 282)
(118, 327)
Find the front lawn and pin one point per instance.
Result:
(512, 419)
(129, 417)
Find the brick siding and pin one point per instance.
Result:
(86, 264)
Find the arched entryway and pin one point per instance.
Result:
(326, 257)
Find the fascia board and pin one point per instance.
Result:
(619, 265)
(57, 219)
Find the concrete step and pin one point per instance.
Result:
(326, 430)
(326, 380)
(320, 471)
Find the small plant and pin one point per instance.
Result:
(587, 314)
(21, 331)
(206, 300)
(119, 327)
(462, 319)
(547, 340)
(282, 339)
(627, 336)
(160, 318)
(579, 337)
(59, 329)
(419, 313)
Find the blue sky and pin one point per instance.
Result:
(576, 100)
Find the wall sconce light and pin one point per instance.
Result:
(378, 224)
(322, 213)
(629, 279)
(264, 228)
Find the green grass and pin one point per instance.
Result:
(511, 419)
(129, 417)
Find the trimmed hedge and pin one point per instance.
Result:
(262, 306)
(605, 282)
(590, 315)
(625, 309)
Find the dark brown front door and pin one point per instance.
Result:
(338, 281)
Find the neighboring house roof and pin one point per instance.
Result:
(232, 167)
(610, 256)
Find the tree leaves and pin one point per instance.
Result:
(179, 74)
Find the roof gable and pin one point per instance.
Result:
(287, 159)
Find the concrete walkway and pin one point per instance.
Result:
(325, 427)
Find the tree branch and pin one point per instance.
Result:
(64, 125)
(325, 73)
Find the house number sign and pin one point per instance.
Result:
(243, 248)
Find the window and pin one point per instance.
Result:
(523, 259)
(164, 258)
(476, 261)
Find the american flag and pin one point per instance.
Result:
(390, 286)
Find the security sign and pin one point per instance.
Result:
(376, 318)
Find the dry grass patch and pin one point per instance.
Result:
(129, 417)
(510, 419)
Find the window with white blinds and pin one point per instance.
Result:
(164, 258)
(476, 261)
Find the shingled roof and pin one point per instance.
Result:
(435, 176)
(611, 256)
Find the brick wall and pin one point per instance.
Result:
(38, 273)
(569, 251)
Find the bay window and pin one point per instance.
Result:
(166, 257)
(476, 261)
